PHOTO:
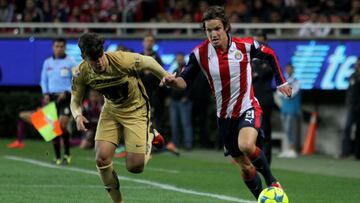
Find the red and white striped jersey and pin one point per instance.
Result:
(229, 74)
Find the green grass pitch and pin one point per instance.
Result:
(198, 176)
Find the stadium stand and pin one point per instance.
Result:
(296, 18)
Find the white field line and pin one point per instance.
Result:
(68, 186)
(146, 182)
(148, 168)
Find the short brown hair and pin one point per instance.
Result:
(216, 13)
(91, 45)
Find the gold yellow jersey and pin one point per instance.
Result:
(119, 83)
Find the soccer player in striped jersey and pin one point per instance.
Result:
(226, 62)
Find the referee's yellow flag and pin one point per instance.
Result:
(45, 120)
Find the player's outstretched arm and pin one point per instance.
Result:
(76, 111)
(77, 95)
(285, 89)
(173, 81)
(149, 63)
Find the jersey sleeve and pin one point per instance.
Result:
(295, 87)
(149, 63)
(191, 70)
(77, 92)
(262, 51)
(44, 79)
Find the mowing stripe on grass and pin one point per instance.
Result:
(68, 186)
(148, 168)
(147, 182)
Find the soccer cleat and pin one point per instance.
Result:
(66, 160)
(158, 141)
(120, 152)
(16, 144)
(121, 155)
(57, 162)
(170, 146)
(276, 184)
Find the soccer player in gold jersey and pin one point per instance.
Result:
(126, 111)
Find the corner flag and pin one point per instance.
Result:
(45, 120)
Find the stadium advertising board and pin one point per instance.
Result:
(324, 65)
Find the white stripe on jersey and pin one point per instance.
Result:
(234, 66)
(246, 102)
(215, 74)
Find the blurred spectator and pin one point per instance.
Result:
(175, 11)
(356, 20)
(291, 114)
(257, 12)
(155, 93)
(355, 7)
(311, 27)
(76, 17)
(20, 130)
(23, 121)
(200, 96)
(234, 18)
(48, 11)
(180, 111)
(24, 118)
(91, 110)
(236, 6)
(6, 11)
(353, 104)
(262, 79)
(201, 8)
(32, 13)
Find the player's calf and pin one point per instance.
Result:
(258, 159)
(111, 182)
(253, 181)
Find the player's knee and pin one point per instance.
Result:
(135, 168)
(101, 161)
(246, 147)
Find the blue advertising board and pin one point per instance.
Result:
(324, 65)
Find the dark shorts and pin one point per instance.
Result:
(63, 106)
(229, 129)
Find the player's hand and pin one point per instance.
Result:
(286, 90)
(168, 80)
(80, 123)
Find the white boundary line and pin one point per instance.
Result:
(146, 182)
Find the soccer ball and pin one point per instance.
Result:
(273, 195)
